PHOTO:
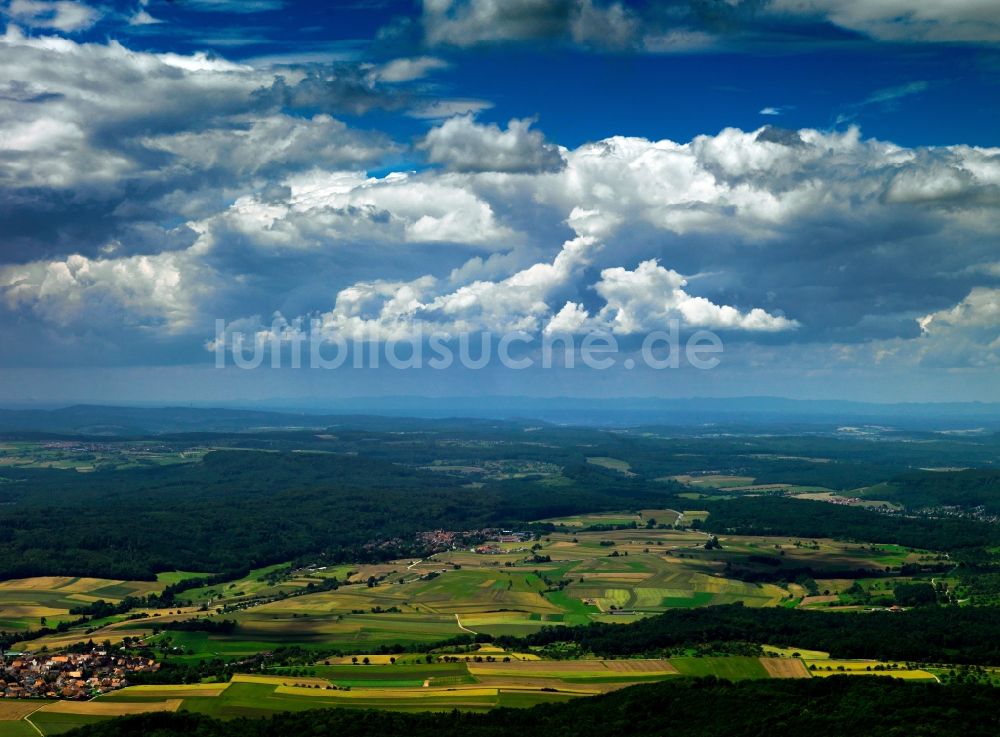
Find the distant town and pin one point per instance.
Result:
(68, 676)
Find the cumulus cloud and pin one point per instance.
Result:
(531, 300)
(60, 15)
(686, 27)
(980, 309)
(276, 143)
(647, 297)
(97, 139)
(147, 291)
(966, 334)
(442, 109)
(320, 210)
(409, 69)
(159, 191)
(462, 144)
(583, 22)
(901, 20)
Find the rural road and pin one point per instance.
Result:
(462, 626)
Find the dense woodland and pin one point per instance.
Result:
(238, 509)
(925, 634)
(696, 708)
(362, 492)
(809, 519)
(965, 489)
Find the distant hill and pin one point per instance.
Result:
(373, 412)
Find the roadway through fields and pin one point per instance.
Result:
(462, 627)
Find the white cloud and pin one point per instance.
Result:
(325, 209)
(140, 291)
(462, 144)
(904, 20)
(967, 334)
(93, 98)
(980, 309)
(222, 201)
(441, 109)
(583, 22)
(648, 297)
(60, 15)
(249, 147)
(645, 299)
(407, 70)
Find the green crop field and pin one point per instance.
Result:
(730, 668)
(568, 578)
(407, 685)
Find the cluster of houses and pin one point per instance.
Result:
(499, 537)
(486, 541)
(68, 676)
(438, 538)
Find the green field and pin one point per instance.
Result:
(25, 602)
(733, 669)
(613, 575)
(403, 686)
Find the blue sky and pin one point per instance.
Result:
(816, 182)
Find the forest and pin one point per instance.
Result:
(694, 708)
(926, 634)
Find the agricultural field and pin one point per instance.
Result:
(31, 603)
(827, 667)
(613, 464)
(571, 578)
(409, 684)
(642, 518)
(721, 486)
(499, 470)
(87, 456)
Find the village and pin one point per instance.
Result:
(68, 676)
(486, 541)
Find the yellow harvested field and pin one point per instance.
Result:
(785, 667)
(640, 666)
(179, 690)
(281, 680)
(570, 668)
(27, 610)
(42, 583)
(788, 652)
(110, 708)
(11, 710)
(387, 693)
(819, 600)
(84, 585)
(505, 683)
(865, 668)
(349, 659)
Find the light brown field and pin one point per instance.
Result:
(819, 600)
(391, 694)
(289, 681)
(178, 691)
(640, 666)
(11, 710)
(28, 610)
(558, 668)
(785, 667)
(110, 708)
(507, 683)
